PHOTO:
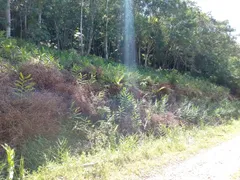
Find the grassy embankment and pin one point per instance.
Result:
(134, 158)
(236, 176)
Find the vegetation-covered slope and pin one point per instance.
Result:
(59, 97)
(88, 103)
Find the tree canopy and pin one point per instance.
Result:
(170, 34)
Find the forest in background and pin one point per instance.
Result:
(171, 34)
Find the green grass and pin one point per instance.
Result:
(236, 176)
(136, 157)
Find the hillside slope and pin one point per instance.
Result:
(46, 95)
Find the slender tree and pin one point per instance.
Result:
(81, 29)
(106, 31)
(8, 17)
(93, 8)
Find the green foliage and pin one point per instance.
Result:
(38, 34)
(146, 82)
(24, 55)
(21, 169)
(226, 110)
(2, 167)
(38, 151)
(128, 113)
(59, 153)
(105, 134)
(114, 74)
(35, 152)
(135, 153)
(102, 134)
(69, 58)
(189, 112)
(83, 79)
(173, 77)
(127, 101)
(8, 169)
(198, 101)
(160, 106)
(182, 38)
(10, 161)
(9, 49)
(24, 85)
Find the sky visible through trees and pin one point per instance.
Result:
(223, 10)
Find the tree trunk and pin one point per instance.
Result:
(149, 49)
(139, 55)
(93, 12)
(57, 34)
(146, 60)
(8, 17)
(81, 29)
(106, 35)
(21, 27)
(25, 25)
(40, 18)
(90, 42)
(147, 55)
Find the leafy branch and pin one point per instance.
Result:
(23, 85)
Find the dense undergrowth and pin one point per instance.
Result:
(55, 103)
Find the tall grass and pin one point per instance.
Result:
(9, 169)
(136, 156)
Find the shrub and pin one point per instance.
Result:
(128, 113)
(189, 112)
(44, 77)
(23, 85)
(9, 50)
(63, 84)
(9, 168)
(36, 114)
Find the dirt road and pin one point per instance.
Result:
(218, 163)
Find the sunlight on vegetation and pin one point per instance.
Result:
(137, 156)
(236, 176)
(94, 113)
(110, 89)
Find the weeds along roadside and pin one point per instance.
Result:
(103, 141)
(104, 162)
(136, 156)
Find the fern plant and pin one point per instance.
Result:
(8, 168)
(9, 49)
(114, 75)
(2, 167)
(126, 100)
(105, 133)
(10, 161)
(60, 151)
(82, 79)
(24, 55)
(128, 114)
(189, 111)
(21, 169)
(23, 85)
(160, 106)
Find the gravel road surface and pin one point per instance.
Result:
(218, 163)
